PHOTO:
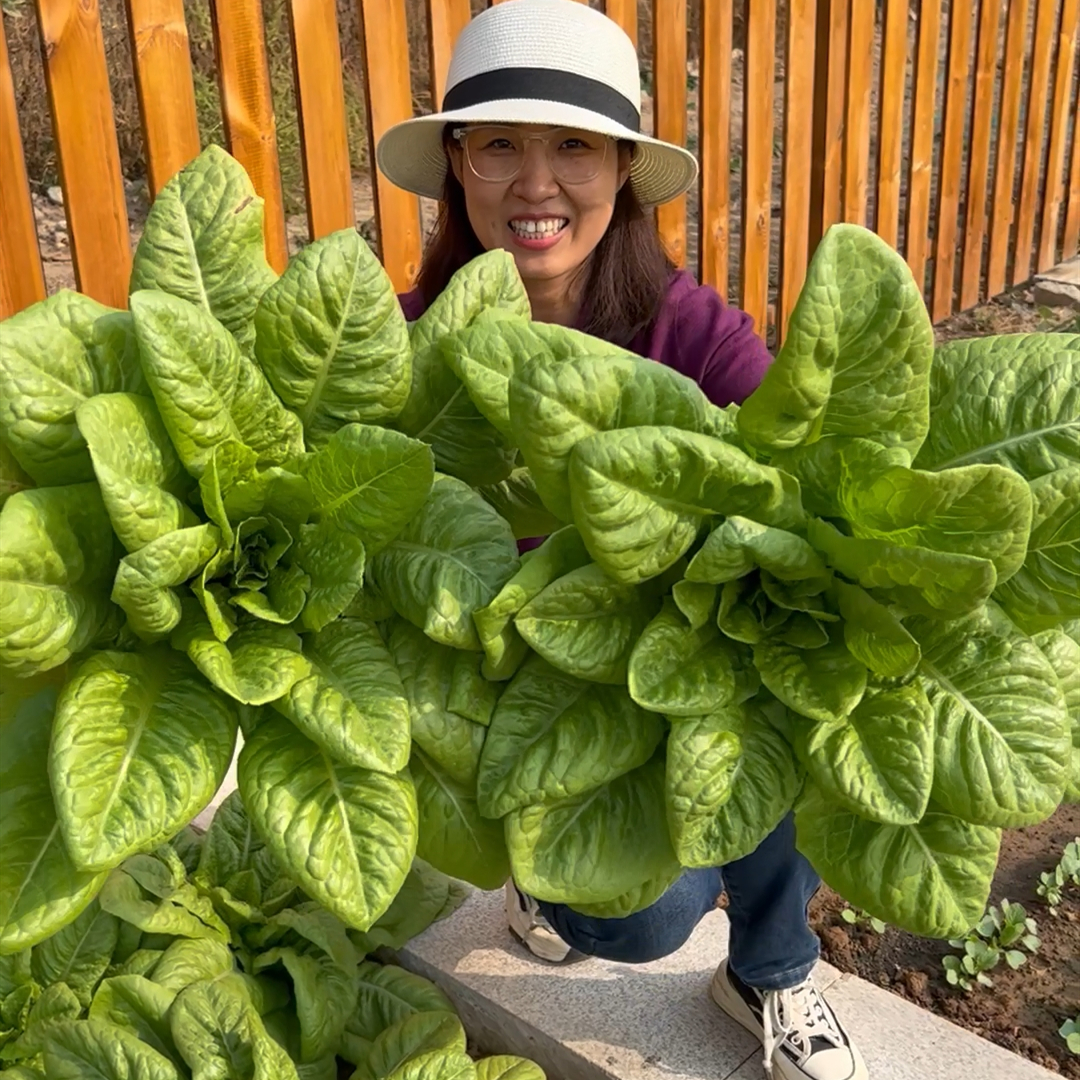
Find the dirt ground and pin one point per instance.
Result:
(1025, 1008)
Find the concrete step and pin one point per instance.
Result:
(596, 1020)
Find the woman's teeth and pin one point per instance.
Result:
(546, 227)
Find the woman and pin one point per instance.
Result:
(538, 151)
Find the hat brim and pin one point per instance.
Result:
(411, 154)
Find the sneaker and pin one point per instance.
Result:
(802, 1038)
(533, 930)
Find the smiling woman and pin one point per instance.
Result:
(539, 152)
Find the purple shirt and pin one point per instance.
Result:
(695, 333)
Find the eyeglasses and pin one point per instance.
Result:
(497, 154)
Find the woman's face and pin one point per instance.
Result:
(550, 224)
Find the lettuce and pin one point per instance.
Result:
(271, 505)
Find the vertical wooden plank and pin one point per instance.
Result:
(22, 281)
(624, 12)
(714, 124)
(757, 159)
(1070, 244)
(982, 109)
(384, 44)
(958, 67)
(891, 124)
(1053, 195)
(1001, 206)
(669, 109)
(248, 111)
(324, 131)
(830, 68)
(446, 19)
(86, 149)
(861, 19)
(921, 164)
(798, 154)
(161, 55)
(1038, 86)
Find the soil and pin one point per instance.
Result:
(1025, 1008)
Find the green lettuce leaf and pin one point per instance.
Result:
(142, 481)
(410, 1038)
(369, 481)
(640, 495)
(731, 779)
(739, 545)
(345, 834)
(140, 744)
(873, 634)
(518, 501)
(190, 960)
(1013, 400)
(1003, 735)
(586, 624)
(207, 391)
(554, 405)
(679, 671)
(931, 878)
(554, 737)
(41, 891)
(389, 994)
(504, 647)
(856, 356)
(77, 1049)
(203, 242)
(77, 955)
(596, 846)
(57, 558)
(1062, 649)
(1044, 591)
(55, 355)
(331, 338)
(352, 704)
(454, 837)
(451, 559)
(140, 1007)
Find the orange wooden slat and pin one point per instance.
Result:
(982, 108)
(86, 148)
(446, 19)
(248, 111)
(798, 154)
(1001, 206)
(669, 109)
(921, 162)
(624, 12)
(384, 43)
(1054, 196)
(1038, 87)
(1071, 240)
(714, 125)
(891, 124)
(757, 159)
(830, 66)
(161, 55)
(958, 67)
(857, 110)
(324, 129)
(22, 282)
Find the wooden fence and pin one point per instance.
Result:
(949, 127)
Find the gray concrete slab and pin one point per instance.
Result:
(596, 1020)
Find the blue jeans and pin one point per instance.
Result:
(772, 946)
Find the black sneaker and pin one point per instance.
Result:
(802, 1038)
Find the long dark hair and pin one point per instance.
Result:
(628, 272)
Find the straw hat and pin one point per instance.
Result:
(551, 62)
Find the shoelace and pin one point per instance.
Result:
(799, 1014)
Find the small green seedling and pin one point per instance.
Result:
(1067, 872)
(855, 916)
(1070, 1032)
(1001, 934)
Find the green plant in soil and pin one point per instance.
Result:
(1070, 1032)
(856, 917)
(268, 510)
(1053, 883)
(1003, 933)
